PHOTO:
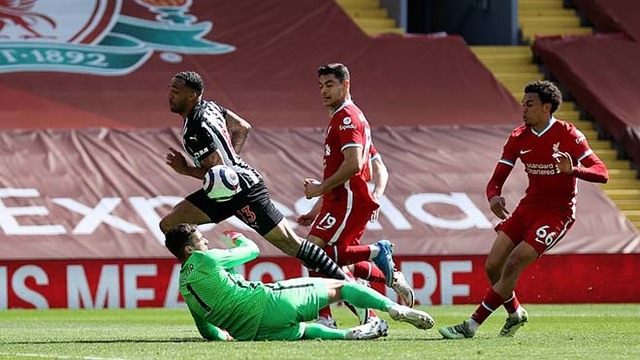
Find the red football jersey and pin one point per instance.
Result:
(348, 127)
(548, 187)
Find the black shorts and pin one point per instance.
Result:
(253, 206)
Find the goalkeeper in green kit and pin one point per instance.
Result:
(225, 306)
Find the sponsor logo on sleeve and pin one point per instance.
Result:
(347, 124)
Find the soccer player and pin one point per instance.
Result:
(345, 204)
(225, 306)
(213, 135)
(555, 155)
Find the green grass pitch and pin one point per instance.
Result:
(603, 331)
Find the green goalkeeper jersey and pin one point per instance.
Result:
(220, 298)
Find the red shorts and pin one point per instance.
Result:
(540, 228)
(340, 223)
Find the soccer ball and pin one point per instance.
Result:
(221, 182)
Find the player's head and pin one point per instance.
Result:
(541, 99)
(183, 239)
(334, 83)
(185, 91)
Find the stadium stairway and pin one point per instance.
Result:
(370, 16)
(513, 66)
(547, 17)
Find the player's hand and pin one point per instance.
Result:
(176, 161)
(306, 219)
(498, 206)
(564, 163)
(374, 215)
(230, 237)
(312, 188)
(229, 337)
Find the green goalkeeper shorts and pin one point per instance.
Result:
(291, 303)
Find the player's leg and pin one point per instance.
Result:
(367, 331)
(494, 264)
(500, 250)
(521, 256)
(365, 297)
(292, 302)
(546, 232)
(183, 212)
(338, 229)
(197, 208)
(255, 208)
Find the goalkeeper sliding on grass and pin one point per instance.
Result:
(225, 306)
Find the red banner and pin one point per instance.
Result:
(438, 280)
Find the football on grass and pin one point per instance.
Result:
(221, 183)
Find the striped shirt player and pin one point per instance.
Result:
(205, 132)
(213, 135)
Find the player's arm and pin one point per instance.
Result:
(497, 202)
(209, 331)
(307, 219)
(244, 251)
(590, 168)
(507, 161)
(238, 129)
(380, 177)
(179, 164)
(351, 165)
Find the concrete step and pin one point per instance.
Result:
(628, 205)
(368, 13)
(548, 5)
(531, 12)
(529, 33)
(633, 216)
(375, 23)
(359, 4)
(383, 30)
(570, 116)
(607, 155)
(598, 144)
(617, 164)
(519, 77)
(525, 58)
(506, 49)
(549, 21)
(528, 68)
(623, 194)
(622, 174)
(621, 184)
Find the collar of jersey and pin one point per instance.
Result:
(551, 122)
(345, 103)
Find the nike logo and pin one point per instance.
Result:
(522, 152)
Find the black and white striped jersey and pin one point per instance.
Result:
(205, 131)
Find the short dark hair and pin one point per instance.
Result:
(192, 80)
(547, 91)
(339, 70)
(178, 237)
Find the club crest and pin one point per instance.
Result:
(93, 37)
